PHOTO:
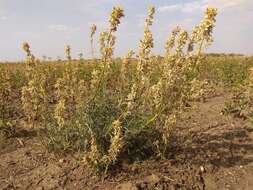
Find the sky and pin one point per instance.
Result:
(49, 25)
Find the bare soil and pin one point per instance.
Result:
(209, 151)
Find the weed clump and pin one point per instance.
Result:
(114, 109)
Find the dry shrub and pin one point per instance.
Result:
(119, 108)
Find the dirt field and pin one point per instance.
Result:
(210, 151)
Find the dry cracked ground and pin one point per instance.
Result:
(209, 151)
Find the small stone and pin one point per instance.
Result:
(202, 169)
(152, 179)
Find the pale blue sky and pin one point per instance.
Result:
(48, 25)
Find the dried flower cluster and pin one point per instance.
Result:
(69, 92)
(171, 42)
(68, 53)
(203, 32)
(147, 43)
(33, 97)
(107, 39)
(93, 30)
